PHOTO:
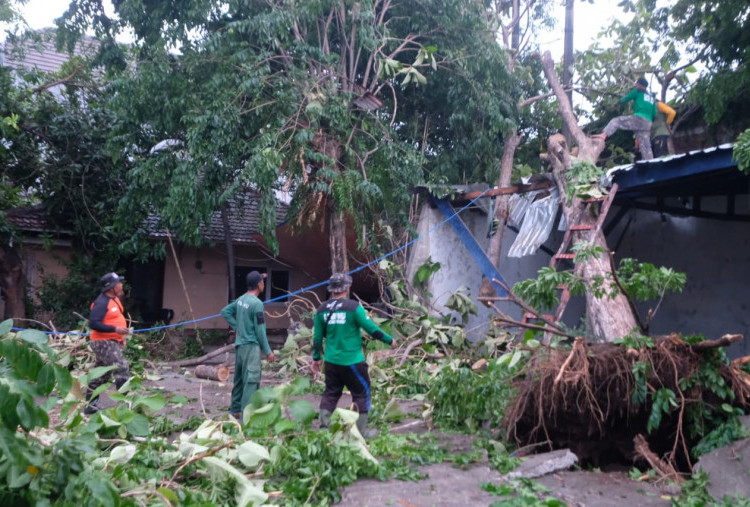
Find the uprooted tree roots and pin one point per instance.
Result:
(597, 399)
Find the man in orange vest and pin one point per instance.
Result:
(108, 330)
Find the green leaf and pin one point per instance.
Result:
(122, 453)
(302, 411)
(264, 417)
(247, 492)
(34, 337)
(300, 385)
(64, 379)
(283, 426)
(346, 416)
(138, 426)
(169, 495)
(95, 373)
(108, 421)
(46, 379)
(8, 403)
(18, 477)
(251, 454)
(154, 402)
(5, 327)
(29, 415)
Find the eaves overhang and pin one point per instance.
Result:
(679, 185)
(702, 173)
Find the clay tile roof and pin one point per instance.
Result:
(243, 221)
(31, 219)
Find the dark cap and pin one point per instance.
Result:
(339, 282)
(642, 81)
(109, 281)
(253, 279)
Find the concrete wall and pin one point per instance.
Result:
(39, 263)
(207, 286)
(459, 269)
(715, 255)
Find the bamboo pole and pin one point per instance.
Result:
(184, 286)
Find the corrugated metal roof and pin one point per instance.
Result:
(608, 176)
(42, 55)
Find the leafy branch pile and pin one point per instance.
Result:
(128, 454)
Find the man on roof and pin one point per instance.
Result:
(644, 112)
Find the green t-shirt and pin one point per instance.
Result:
(246, 315)
(644, 104)
(343, 339)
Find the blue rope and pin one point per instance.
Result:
(285, 296)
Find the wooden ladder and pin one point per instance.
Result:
(564, 254)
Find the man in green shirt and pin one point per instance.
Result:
(644, 112)
(246, 315)
(339, 321)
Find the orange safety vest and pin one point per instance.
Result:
(115, 316)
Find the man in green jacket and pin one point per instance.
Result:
(644, 112)
(246, 315)
(339, 321)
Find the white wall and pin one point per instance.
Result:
(715, 255)
(458, 267)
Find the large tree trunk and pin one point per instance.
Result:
(608, 318)
(501, 209)
(12, 283)
(335, 219)
(336, 225)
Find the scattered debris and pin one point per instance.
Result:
(543, 464)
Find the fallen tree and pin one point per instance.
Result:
(611, 317)
(611, 403)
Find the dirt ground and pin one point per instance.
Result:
(445, 484)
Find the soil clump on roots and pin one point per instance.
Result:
(597, 399)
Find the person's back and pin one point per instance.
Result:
(337, 323)
(249, 306)
(660, 130)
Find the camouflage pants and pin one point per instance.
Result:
(640, 126)
(109, 353)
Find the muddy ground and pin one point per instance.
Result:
(444, 485)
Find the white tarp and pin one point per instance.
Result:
(536, 218)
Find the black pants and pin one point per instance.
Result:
(354, 377)
(659, 146)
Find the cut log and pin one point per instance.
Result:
(211, 372)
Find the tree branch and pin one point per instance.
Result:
(58, 82)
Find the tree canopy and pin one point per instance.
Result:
(355, 101)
